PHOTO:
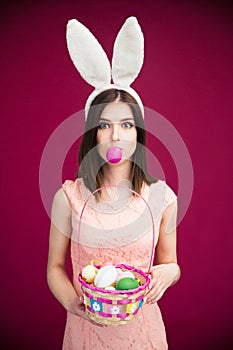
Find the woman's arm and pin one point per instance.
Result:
(60, 229)
(58, 280)
(166, 272)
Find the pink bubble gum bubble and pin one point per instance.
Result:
(114, 154)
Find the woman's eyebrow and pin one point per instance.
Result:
(121, 120)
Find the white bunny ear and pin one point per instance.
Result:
(128, 53)
(87, 54)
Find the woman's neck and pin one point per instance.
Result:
(114, 174)
(120, 175)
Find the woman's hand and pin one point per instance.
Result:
(162, 277)
(77, 307)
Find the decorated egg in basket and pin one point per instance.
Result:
(88, 273)
(105, 277)
(127, 283)
(121, 274)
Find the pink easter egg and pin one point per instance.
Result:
(122, 274)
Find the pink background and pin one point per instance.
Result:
(187, 77)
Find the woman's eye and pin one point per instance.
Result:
(127, 125)
(104, 126)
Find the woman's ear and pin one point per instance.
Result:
(87, 55)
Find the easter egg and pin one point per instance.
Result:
(127, 283)
(89, 273)
(105, 277)
(114, 154)
(121, 274)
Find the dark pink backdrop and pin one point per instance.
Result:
(187, 77)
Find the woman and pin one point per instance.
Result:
(114, 119)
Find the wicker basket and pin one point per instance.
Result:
(115, 307)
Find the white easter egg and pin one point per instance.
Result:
(106, 276)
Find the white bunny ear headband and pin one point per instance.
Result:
(93, 65)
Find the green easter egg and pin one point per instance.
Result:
(127, 283)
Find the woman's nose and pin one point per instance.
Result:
(115, 132)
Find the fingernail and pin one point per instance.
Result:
(145, 300)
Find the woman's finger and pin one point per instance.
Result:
(152, 285)
(154, 292)
(83, 314)
(156, 296)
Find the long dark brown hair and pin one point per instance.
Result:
(90, 162)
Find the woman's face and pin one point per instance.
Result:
(117, 128)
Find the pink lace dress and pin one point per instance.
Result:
(146, 331)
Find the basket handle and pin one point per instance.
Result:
(81, 215)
